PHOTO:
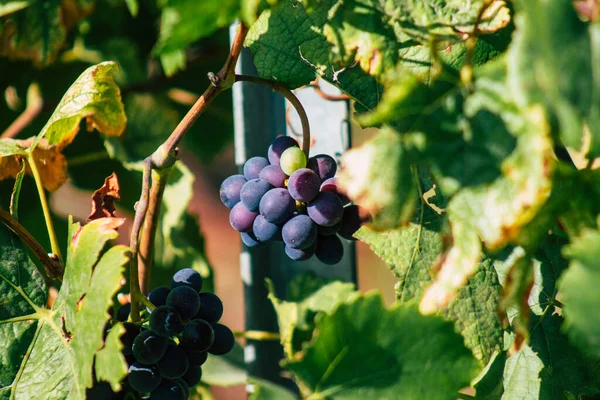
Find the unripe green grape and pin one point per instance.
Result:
(292, 159)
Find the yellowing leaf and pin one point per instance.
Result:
(95, 97)
(377, 177)
(51, 163)
(495, 213)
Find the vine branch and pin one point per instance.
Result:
(146, 251)
(54, 268)
(162, 160)
(291, 97)
(140, 213)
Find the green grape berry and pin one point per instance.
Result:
(292, 159)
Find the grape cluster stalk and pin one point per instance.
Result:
(287, 197)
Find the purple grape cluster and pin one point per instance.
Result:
(305, 209)
(165, 355)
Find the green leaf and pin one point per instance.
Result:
(547, 367)
(579, 294)
(91, 309)
(23, 294)
(185, 21)
(56, 348)
(261, 389)
(228, 370)
(363, 350)
(38, 33)
(93, 96)
(296, 316)
(518, 284)
(377, 176)
(496, 212)
(296, 57)
(84, 249)
(348, 43)
(111, 365)
(412, 251)
(568, 85)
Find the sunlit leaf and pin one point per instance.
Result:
(363, 350)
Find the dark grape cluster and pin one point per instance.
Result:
(291, 199)
(166, 353)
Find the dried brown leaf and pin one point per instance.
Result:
(103, 199)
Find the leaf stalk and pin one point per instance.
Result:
(44, 201)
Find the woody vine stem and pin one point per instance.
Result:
(159, 164)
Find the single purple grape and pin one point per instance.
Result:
(266, 231)
(329, 249)
(303, 185)
(250, 240)
(299, 232)
(326, 209)
(277, 206)
(324, 166)
(252, 192)
(241, 218)
(331, 185)
(279, 145)
(301, 254)
(274, 175)
(351, 221)
(253, 166)
(230, 190)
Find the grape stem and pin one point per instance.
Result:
(54, 268)
(291, 97)
(161, 162)
(257, 335)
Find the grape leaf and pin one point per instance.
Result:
(35, 33)
(296, 316)
(110, 362)
(56, 360)
(227, 370)
(94, 96)
(548, 366)
(24, 293)
(567, 85)
(296, 57)
(578, 292)
(377, 176)
(261, 389)
(185, 21)
(518, 284)
(363, 350)
(412, 251)
(496, 212)
(348, 43)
